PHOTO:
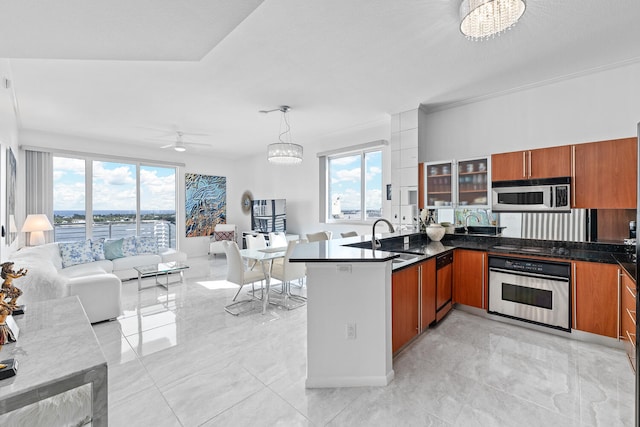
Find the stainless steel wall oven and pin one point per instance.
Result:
(531, 290)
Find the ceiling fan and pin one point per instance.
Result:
(180, 144)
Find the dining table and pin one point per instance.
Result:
(265, 257)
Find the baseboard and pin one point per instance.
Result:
(332, 382)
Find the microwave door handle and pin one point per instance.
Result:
(551, 201)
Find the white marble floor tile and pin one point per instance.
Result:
(207, 393)
(127, 380)
(263, 408)
(490, 407)
(319, 405)
(177, 359)
(147, 409)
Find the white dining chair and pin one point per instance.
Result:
(319, 236)
(288, 271)
(349, 234)
(255, 242)
(277, 240)
(238, 274)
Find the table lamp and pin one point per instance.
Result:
(36, 224)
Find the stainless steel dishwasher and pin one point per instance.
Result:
(444, 284)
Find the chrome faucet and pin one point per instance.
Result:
(466, 221)
(375, 243)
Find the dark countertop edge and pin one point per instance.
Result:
(578, 251)
(625, 262)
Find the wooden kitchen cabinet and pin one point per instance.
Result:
(469, 279)
(549, 162)
(413, 302)
(628, 317)
(605, 174)
(595, 298)
(428, 293)
(404, 306)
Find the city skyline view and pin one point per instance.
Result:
(346, 184)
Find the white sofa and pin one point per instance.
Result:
(97, 284)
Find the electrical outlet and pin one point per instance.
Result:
(406, 242)
(351, 331)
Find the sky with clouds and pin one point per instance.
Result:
(114, 186)
(345, 179)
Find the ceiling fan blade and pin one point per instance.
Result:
(196, 144)
(168, 145)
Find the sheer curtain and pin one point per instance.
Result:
(39, 186)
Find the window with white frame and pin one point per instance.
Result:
(113, 199)
(354, 185)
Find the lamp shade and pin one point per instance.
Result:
(285, 153)
(36, 224)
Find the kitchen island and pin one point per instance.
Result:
(349, 340)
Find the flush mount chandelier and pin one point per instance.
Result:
(481, 19)
(284, 152)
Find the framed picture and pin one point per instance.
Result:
(12, 229)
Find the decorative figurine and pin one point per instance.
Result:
(6, 334)
(8, 290)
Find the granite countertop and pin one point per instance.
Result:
(358, 249)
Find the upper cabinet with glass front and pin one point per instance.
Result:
(438, 184)
(453, 184)
(473, 182)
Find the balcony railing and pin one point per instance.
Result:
(163, 231)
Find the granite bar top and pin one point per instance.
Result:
(358, 249)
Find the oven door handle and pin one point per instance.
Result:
(527, 274)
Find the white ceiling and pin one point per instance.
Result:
(116, 70)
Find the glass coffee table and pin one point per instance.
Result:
(163, 268)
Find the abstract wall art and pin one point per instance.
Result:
(206, 203)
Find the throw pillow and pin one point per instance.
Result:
(223, 235)
(97, 248)
(146, 245)
(129, 246)
(113, 249)
(73, 253)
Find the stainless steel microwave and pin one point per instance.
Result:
(532, 195)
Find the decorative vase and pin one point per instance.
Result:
(435, 232)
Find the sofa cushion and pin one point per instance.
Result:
(129, 246)
(92, 268)
(135, 261)
(113, 249)
(146, 245)
(74, 253)
(97, 248)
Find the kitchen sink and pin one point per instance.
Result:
(480, 229)
(405, 257)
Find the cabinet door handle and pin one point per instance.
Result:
(619, 298)
(631, 292)
(419, 298)
(575, 297)
(529, 164)
(524, 164)
(631, 340)
(573, 176)
(632, 315)
(483, 284)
